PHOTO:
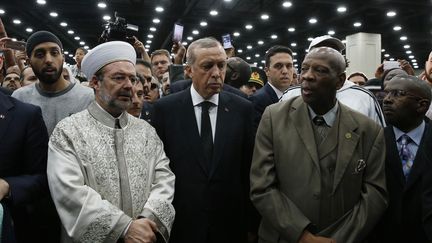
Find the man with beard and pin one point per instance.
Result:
(328, 185)
(107, 171)
(57, 97)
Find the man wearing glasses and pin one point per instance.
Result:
(408, 161)
(108, 174)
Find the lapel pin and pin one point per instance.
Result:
(2, 116)
(226, 109)
(361, 164)
(347, 135)
(147, 113)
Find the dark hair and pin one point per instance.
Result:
(82, 49)
(274, 50)
(142, 62)
(160, 52)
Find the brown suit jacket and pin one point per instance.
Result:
(286, 179)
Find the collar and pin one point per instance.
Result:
(197, 98)
(276, 90)
(329, 117)
(106, 118)
(415, 134)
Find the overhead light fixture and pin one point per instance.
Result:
(227, 1)
(386, 55)
(406, 46)
(313, 20)
(16, 21)
(184, 43)
(70, 55)
(189, 38)
(408, 52)
(106, 17)
(101, 5)
(293, 44)
(152, 29)
(86, 47)
(249, 47)
(82, 43)
(411, 57)
(265, 16)
(310, 39)
(286, 4)
(397, 28)
(41, 2)
(294, 53)
(236, 34)
(156, 21)
(382, 50)
(147, 46)
(391, 13)
(150, 36)
(240, 51)
(195, 32)
(291, 29)
(331, 32)
(54, 14)
(66, 52)
(29, 30)
(257, 55)
(77, 38)
(414, 60)
(341, 9)
(249, 26)
(203, 23)
(148, 41)
(2, 11)
(357, 24)
(274, 37)
(260, 42)
(403, 38)
(213, 12)
(159, 9)
(64, 24)
(71, 32)
(248, 58)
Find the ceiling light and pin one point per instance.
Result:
(101, 5)
(392, 59)
(248, 58)
(203, 23)
(71, 32)
(342, 9)
(413, 60)
(249, 47)
(411, 56)
(357, 24)
(310, 39)
(397, 28)
(382, 50)
(195, 32)
(236, 34)
(29, 30)
(291, 29)
(227, 0)
(260, 42)
(386, 55)
(403, 38)
(248, 26)
(82, 43)
(273, 37)
(265, 16)
(262, 61)
(152, 29)
(294, 53)
(150, 36)
(313, 20)
(293, 44)
(294, 60)
(64, 24)
(213, 12)
(156, 21)
(189, 38)
(77, 38)
(66, 52)
(86, 47)
(147, 46)
(184, 43)
(159, 9)
(53, 14)
(106, 17)
(391, 13)
(16, 21)
(408, 52)
(41, 2)
(257, 55)
(148, 41)
(331, 32)
(286, 4)
(2, 11)
(70, 55)
(406, 46)
(240, 51)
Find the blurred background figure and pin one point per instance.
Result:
(256, 81)
(76, 69)
(358, 78)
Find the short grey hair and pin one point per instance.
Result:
(206, 42)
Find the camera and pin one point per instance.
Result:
(118, 30)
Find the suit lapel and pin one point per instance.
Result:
(273, 96)
(300, 117)
(348, 140)
(222, 121)
(392, 157)
(191, 131)
(5, 116)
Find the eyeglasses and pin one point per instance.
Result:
(398, 93)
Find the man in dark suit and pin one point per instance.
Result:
(318, 167)
(23, 158)
(207, 134)
(408, 162)
(279, 69)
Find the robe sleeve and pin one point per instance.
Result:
(85, 216)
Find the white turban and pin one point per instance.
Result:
(107, 53)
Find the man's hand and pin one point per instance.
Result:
(141, 231)
(308, 237)
(179, 52)
(4, 189)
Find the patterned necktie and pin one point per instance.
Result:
(406, 155)
(206, 132)
(321, 128)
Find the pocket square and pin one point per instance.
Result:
(361, 164)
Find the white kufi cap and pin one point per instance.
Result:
(328, 39)
(107, 53)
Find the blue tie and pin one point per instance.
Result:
(405, 154)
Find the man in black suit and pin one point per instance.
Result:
(207, 134)
(23, 158)
(279, 69)
(408, 162)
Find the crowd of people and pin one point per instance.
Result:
(196, 145)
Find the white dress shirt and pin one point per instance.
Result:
(196, 101)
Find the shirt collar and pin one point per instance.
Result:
(276, 90)
(329, 117)
(106, 118)
(198, 99)
(415, 134)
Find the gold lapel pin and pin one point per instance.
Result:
(347, 135)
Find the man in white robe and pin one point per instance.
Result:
(108, 174)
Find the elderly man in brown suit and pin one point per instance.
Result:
(318, 167)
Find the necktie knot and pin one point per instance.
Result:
(319, 121)
(205, 105)
(405, 139)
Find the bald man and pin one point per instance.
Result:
(329, 185)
